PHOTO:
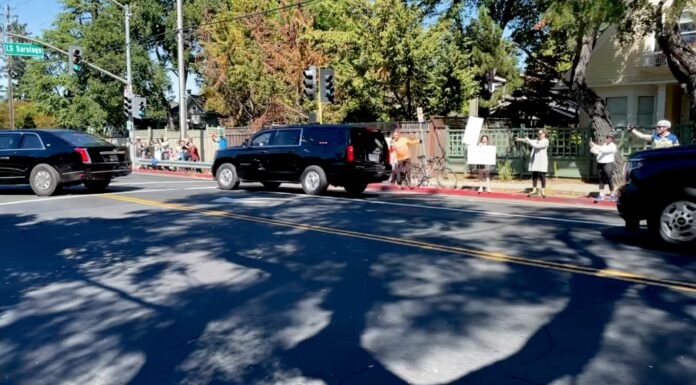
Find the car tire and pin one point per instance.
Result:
(271, 185)
(675, 222)
(44, 180)
(226, 177)
(355, 188)
(97, 186)
(314, 181)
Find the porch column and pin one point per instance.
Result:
(661, 103)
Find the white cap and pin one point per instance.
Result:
(664, 123)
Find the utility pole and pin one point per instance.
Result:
(10, 85)
(130, 127)
(182, 75)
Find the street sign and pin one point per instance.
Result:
(23, 49)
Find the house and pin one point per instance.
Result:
(198, 116)
(635, 81)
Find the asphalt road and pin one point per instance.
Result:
(168, 280)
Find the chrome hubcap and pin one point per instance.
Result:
(226, 176)
(42, 180)
(678, 221)
(312, 180)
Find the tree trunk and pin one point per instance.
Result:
(590, 102)
(681, 59)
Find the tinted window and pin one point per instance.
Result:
(262, 139)
(286, 138)
(367, 141)
(31, 141)
(9, 141)
(80, 139)
(325, 137)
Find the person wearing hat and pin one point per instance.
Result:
(662, 136)
(605, 164)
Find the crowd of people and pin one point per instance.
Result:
(162, 150)
(538, 164)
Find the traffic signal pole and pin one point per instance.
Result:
(10, 85)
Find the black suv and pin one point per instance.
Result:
(314, 155)
(661, 187)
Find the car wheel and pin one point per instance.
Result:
(97, 186)
(271, 185)
(314, 180)
(44, 180)
(226, 177)
(676, 222)
(355, 188)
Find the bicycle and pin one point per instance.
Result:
(435, 167)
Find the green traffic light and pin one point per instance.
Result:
(77, 67)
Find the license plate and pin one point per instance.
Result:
(113, 158)
(373, 157)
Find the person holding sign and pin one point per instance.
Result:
(483, 156)
(538, 161)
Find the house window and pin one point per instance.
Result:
(646, 110)
(687, 27)
(617, 110)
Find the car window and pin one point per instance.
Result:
(286, 138)
(9, 141)
(261, 139)
(31, 142)
(325, 137)
(367, 141)
(80, 139)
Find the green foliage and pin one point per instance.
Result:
(389, 63)
(505, 171)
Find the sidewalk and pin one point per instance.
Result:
(564, 191)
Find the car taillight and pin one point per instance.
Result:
(350, 154)
(83, 154)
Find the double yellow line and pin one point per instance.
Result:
(497, 257)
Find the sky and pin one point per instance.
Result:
(40, 14)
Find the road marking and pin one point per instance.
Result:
(497, 257)
(125, 183)
(487, 213)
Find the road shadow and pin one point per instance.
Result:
(148, 295)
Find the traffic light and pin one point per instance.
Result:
(326, 85)
(310, 81)
(140, 104)
(128, 105)
(75, 62)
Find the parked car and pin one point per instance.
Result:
(661, 188)
(49, 159)
(314, 155)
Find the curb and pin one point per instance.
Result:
(503, 195)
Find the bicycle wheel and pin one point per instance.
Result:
(447, 178)
(417, 176)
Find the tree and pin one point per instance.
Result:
(389, 62)
(681, 57)
(92, 99)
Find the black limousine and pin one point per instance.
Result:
(48, 159)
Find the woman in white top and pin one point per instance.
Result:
(538, 160)
(605, 163)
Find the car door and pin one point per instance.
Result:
(31, 151)
(283, 157)
(251, 159)
(11, 171)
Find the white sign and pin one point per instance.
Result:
(480, 155)
(419, 112)
(473, 130)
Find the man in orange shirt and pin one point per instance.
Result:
(402, 146)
